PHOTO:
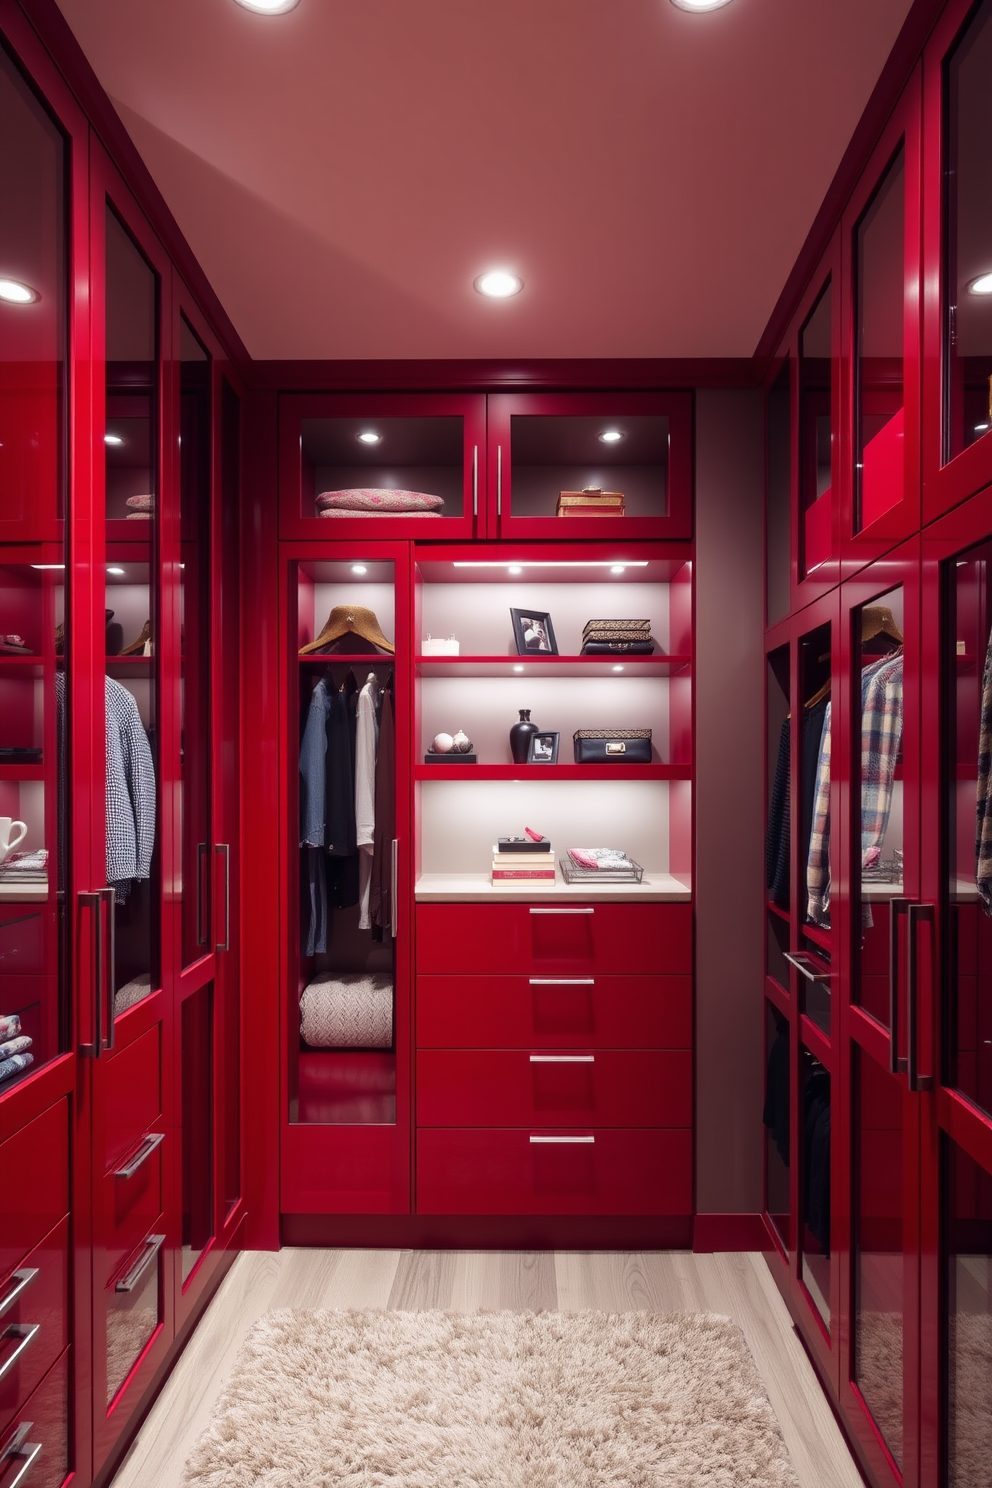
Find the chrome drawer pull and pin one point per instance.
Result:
(563, 1059)
(153, 1245)
(561, 911)
(801, 961)
(18, 1447)
(25, 1332)
(562, 1141)
(562, 981)
(153, 1140)
(22, 1279)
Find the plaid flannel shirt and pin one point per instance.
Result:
(881, 741)
(818, 860)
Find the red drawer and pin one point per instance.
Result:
(34, 1318)
(554, 939)
(542, 1012)
(597, 1172)
(132, 1199)
(512, 1087)
(46, 1417)
(35, 1165)
(133, 1085)
(133, 1303)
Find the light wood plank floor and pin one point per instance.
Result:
(737, 1285)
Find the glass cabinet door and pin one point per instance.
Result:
(36, 695)
(590, 465)
(132, 610)
(816, 435)
(413, 464)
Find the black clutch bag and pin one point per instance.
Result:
(612, 746)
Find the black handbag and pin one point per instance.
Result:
(612, 746)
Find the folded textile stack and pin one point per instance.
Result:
(131, 992)
(13, 645)
(24, 875)
(535, 863)
(604, 637)
(590, 502)
(373, 501)
(13, 1047)
(353, 1010)
(140, 508)
(605, 864)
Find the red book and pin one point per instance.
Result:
(541, 873)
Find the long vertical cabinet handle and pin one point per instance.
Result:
(224, 850)
(897, 907)
(916, 1081)
(109, 898)
(20, 1447)
(475, 480)
(394, 879)
(499, 480)
(92, 901)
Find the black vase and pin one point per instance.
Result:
(520, 737)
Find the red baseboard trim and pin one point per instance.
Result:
(728, 1232)
(486, 1232)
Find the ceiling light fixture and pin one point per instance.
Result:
(618, 568)
(618, 668)
(611, 436)
(269, 7)
(980, 428)
(569, 563)
(112, 439)
(700, 4)
(514, 568)
(118, 572)
(369, 436)
(498, 284)
(13, 292)
(359, 568)
(982, 285)
(518, 668)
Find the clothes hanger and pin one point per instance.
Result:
(349, 620)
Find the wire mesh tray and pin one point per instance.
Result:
(572, 873)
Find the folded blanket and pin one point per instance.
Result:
(350, 1011)
(599, 857)
(378, 498)
(132, 992)
(14, 1065)
(10, 1025)
(14, 1046)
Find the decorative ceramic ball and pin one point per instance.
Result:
(442, 743)
(461, 743)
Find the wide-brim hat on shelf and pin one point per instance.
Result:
(345, 620)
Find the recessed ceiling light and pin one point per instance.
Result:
(116, 571)
(617, 568)
(518, 668)
(980, 428)
(13, 292)
(498, 284)
(112, 439)
(269, 7)
(618, 668)
(700, 4)
(982, 285)
(359, 568)
(369, 436)
(514, 568)
(611, 436)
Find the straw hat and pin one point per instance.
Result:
(349, 619)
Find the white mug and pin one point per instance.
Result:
(12, 834)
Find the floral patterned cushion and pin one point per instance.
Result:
(372, 499)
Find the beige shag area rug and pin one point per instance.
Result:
(359, 1399)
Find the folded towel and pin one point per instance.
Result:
(10, 1025)
(14, 1046)
(599, 857)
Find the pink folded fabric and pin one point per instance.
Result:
(375, 498)
(141, 503)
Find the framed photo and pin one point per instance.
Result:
(542, 749)
(533, 633)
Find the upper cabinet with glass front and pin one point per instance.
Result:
(375, 465)
(454, 465)
(881, 267)
(957, 453)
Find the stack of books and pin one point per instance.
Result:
(590, 502)
(602, 637)
(513, 862)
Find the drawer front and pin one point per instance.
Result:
(35, 1162)
(133, 1084)
(46, 1416)
(512, 1087)
(34, 1319)
(546, 1012)
(554, 940)
(132, 1199)
(505, 1172)
(133, 1303)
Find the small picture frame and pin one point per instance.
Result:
(542, 749)
(533, 633)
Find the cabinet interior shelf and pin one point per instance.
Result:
(554, 772)
(33, 666)
(550, 666)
